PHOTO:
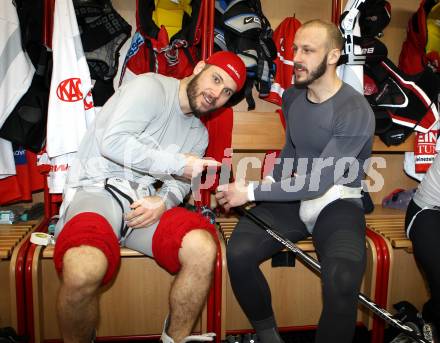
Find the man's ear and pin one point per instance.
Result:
(199, 67)
(333, 56)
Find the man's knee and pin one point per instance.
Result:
(241, 246)
(84, 268)
(168, 240)
(343, 278)
(198, 246)
(341, 285)
(87, 230)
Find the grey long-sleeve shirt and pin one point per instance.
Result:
(326, 144)
(139, 136)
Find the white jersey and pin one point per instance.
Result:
(71, 108)
(16, 73)
(69, 98)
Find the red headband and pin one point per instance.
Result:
(230, 63)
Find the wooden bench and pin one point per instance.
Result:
(134, 305)
(296, 291)
(406, 281)
(12, 237)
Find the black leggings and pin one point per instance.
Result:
(339, 239)
(425, 236)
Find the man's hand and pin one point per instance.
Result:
(232, 195)
(145, 212)
(195, 165)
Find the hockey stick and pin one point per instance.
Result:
(314, 264)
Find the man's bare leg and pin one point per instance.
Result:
(190, 288)
(77, 303)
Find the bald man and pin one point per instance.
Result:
(314, 190)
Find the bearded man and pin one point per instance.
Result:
(134, 166)
(315, 190)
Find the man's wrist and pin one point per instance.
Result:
(166, 200)
(250, 191)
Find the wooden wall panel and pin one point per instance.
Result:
(406, 281)
(126, 8)
(393, 176)
(277, 10)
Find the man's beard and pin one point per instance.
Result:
(314, 74)
(192, 91)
